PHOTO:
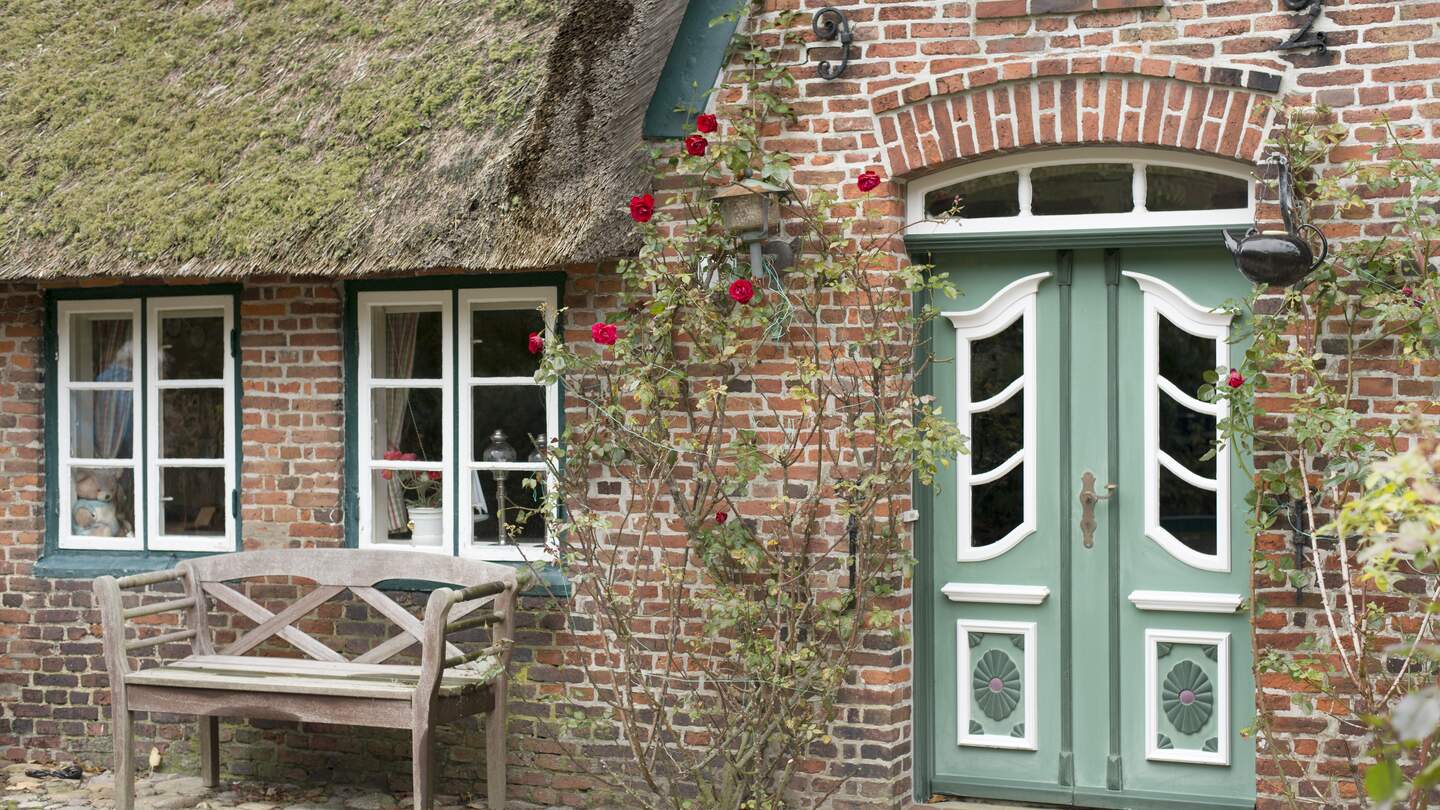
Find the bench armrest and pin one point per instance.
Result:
(113, 615)
(500, 617)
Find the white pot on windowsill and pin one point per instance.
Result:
(426, 525)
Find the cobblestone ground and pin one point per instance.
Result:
(164, 791)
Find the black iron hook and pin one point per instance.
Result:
(830, 23)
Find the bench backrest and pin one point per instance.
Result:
(347, 567)
(334, 571)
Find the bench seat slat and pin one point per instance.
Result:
(301, 677)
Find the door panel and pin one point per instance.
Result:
(998, 618)
(1093, 656)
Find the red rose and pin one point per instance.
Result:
(604, 333)
(867, 181)
(695, 145)
(392, 455)
(537, 343)
(706, 122)
(386, 474)
(721, 517)
(433, 475)
(1236, 379)
(742, 290)
(642, 208)
(408, 457)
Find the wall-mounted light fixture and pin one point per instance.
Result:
(748, 210)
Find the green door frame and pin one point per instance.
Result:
(923, 249)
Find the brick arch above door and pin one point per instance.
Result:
(1072, 101)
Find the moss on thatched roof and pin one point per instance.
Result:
(143, 137)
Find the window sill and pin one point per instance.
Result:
(552, 582)
(85, 564)
(74, 564)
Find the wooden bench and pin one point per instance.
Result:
(448, 683)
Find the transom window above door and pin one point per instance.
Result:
(450, 425)
(1083, 189)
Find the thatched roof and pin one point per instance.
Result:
(230, 137)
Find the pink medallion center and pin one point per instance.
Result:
(996, 685)
(1187, 697)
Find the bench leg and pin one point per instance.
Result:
(123, 731)
(422, 755)
(495, 754)
(210, 751)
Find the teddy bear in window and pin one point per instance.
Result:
(94, 514)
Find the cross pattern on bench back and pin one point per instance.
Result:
(334, 571)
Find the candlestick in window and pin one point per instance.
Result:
(499, 451)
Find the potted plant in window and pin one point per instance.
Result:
(422, 490)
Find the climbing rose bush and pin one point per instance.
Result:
(755, 461)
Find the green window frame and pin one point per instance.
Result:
(66, 554)
(453, 298)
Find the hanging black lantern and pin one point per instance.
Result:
(1278, 257)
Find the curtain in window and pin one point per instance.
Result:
(105, 428)
(400, 331)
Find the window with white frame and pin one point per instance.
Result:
(1083, 189)
(451, 424)
(145, 436)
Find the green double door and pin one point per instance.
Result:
(1088, 557)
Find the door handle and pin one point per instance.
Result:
(1088, 499)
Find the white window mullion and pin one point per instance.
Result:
(1138, 187)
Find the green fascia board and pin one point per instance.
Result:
(1072, 239)
(695, 60)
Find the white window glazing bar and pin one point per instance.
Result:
(499, 381)
(1000, 470)
(1168, 462)
(1026, 192)
(1138, 189)
(1184, 399)
(1001, 398)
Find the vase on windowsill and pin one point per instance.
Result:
(426, 525)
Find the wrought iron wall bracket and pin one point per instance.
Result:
(829, 24)
(1305, 38)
